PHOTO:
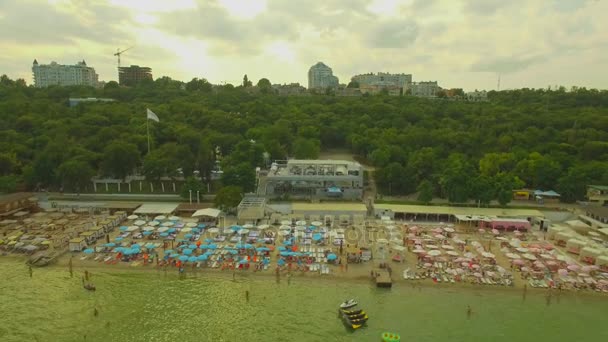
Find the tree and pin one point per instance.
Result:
(353, 84)
(228, 198)
(425, 192)
(241, 175)
(483, 190)
(197, 84)
(264, 85)
(8, 163)
(191, 184)
(246, 82)
(306, 148)
(75, 174)
(120, 159)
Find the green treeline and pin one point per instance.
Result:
(539, 139)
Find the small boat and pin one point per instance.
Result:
(348, 304)
(352, 312)
(89, 287)
(390, 337)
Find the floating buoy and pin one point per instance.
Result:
(390, 337)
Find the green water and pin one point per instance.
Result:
(154, 306)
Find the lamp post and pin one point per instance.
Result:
(190, 191)
(198, 198)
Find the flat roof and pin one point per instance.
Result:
(597, 211)
(329, 206)
(599, 187)
(121, 205)
(322, 162)
(156, 208)
(444, 210)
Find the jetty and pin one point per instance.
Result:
(383, 278)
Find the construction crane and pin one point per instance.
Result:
(118, 53)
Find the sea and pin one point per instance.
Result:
(132, 305)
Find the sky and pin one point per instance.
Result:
(459, 43)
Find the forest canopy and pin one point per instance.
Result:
(534, 138)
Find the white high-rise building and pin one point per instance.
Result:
(321, 76)
(64, 75)
(383, 79)
(425, 89)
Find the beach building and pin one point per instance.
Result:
(450, 214)
(77, 244)
(156, 209)
(133, 74)
(251, 209)
(345, 213)
(313, 179)
(12, 203)
(597, 194)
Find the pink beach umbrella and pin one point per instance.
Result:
(464, 264)
(518, 262)
(477, 274)
(525, 269)
(428, 264)
(475, 266)
(562, 272)
(573, 267)
(481, 230)
(438, 236)
(495, 231)
(518, 233)
(437, 230)
(551, 263)
(414, 228)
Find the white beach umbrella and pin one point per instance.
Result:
(213, 230)
(316, 223)
(488, 255)
(285, 227)
(248, 226)
(132, 228)
(382, 241)
(300, 228)
(452, 253)
(448, 247)
(522, 250)
(263, 226)
(154, 223)
(160, 217)
(132, 217)
(167, 224)
(434, 252)
(448, 229)
(243, 231)
(283, 232)
(529, 256)
(301, 223)
(174, 218)
(162, 229)
(191, 224)
(186, 230)
(139, 222)
(513, 256)
(149, 229)
(286, 222)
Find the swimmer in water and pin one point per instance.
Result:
(469, 311)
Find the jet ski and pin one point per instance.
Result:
(89, 287)
(348, 304)
(351, 312)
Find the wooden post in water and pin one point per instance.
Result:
(70, 267)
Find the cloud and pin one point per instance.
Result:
(484, 6)
(393, 34)
(507, 64)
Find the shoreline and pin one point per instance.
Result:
(344, 277)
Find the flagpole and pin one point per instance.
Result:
(148, 132)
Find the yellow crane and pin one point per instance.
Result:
(118, 53)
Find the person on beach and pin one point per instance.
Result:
(247, 295)
(95, 312)
(469, 311)
(31, 271)
(86, 275)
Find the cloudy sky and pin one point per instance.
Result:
(460, 43)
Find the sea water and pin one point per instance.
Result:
(159, 306)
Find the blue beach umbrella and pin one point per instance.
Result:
(239, 245)
(183, 258)
(266, 261)
(332, 256)
(244, 261)
(192, 246)
(150, 246)
(164, 234)
(187, 251)
(236, 228)
(203, 257)
(111, 244)
(89, 251)
(192, 259)
(118, 239)
(212, 246)
(147, 233)
(281, 248)
(128, 251)
(208, 240)
(169, 251)
(312, 227)
(118, 249)
(248, 246)
(281, 262)
(187, 236)
(123, 228)
(317, 237)
(202, 225)
(233, 251)
(287, 243)
(203, 246)
(174, 255)
(285, 253)
(171, 230)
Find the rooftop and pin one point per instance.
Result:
(329, 206)
(599, 187)
(443, 210)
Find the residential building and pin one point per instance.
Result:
(64, 75)
(133, 74)
(424, 89)
(289, 89)
(597, 194)
(313, 179)
(383, 79)
(377, 89)
(76, 101)
(477, 96)
(320, 76)
(348, 92)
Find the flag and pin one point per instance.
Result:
(152, 116)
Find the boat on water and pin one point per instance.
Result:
(89, 287)
(348, 304)
(390, 337)
(352, 312)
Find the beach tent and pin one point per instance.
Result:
(210, 212)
